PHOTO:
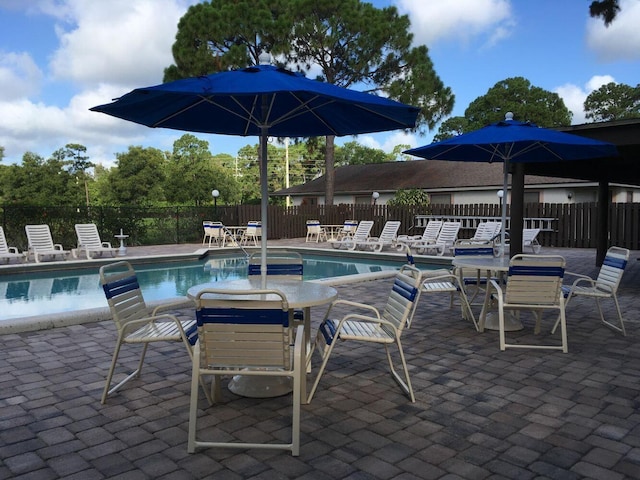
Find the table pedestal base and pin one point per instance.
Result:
(254, 386)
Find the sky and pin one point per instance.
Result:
(58, 58)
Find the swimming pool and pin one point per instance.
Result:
(55, 292)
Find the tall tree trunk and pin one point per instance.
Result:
(330, 173)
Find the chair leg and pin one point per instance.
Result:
(193, 406)
(326, 353)
(136, 373)
(405, 384)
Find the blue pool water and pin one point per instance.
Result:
(24, 295)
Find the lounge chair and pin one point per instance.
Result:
(245, 336)
(486, 232)
(41, 244)
(530, 239)
(430, 235)
(604, 286)
(8, 253)
(446, 238)
(360, 235)
(89, 242)
(364, 323)
(386, 239)
(534, 283)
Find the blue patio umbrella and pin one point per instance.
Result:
(510, 141)
(261, 100)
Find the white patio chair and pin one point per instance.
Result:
(386, 239)
(252, 234)
(361, 234)
(8, 253)
(135, 322)
(365, 323)
(89, 242)
(530, 239)
(472, 278)
(603, 287)
(41, 244)
(315, 232)
(534, 283)
(216, 234)
(249, 337)
(485, 233)
(429, 235)
(349, 227)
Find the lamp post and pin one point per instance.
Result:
(374, 197)
(500, 194)
(215, 194)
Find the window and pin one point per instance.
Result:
(531, 197)
(440, 198)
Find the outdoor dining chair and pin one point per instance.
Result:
(352, 321)
(603, 287)
(245, 333)
(534, 283)
(315, 233)
(136, 323)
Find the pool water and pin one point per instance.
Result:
(25, 295)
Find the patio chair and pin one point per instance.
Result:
(446, 238)
(315, 231)
(361, 233)
(530, 239)
(135, 322)
(349, 227)
(253, 233)
(364, 323)
(215, 233)
(429, 235)
(486, 232)
(250, 337)
(386, 239)
(603, 287)
(472, 278)
(534, 283)
(41, 244)
(89, 242)
(8, 253)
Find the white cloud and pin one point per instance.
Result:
(574, 96)
(621, 39)
(19, 76)
(387, 142)
(486, 21)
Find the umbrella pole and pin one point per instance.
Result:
(264, 200)
(505, 196)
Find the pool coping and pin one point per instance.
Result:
(63, 319)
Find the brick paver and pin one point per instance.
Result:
(479, 413)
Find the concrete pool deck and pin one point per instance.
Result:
(479, 413)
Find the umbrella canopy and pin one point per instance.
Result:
(510, 141)
(261, 100)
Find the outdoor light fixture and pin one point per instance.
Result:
(215, 194)
(374, 197)
(569, 195)
(500, 194)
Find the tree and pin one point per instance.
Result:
(352, 153)
(412, 196)
(138, 178)
(227, 34)
(73, 154)
(606, 9)
(1, 152)
(516, 95)
(353, 43)
(613, 101)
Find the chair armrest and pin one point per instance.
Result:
(349, 303)
(57, 246)
(106, 245)
(13, 250)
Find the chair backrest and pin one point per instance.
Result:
(363, 230)
(280, 264)
(448, 233)
(529, 235)
(389, 231)
(349, 226)
(4, 248)
(88, 235)
(254, 228)
(39, 237)
(535, 280)
(431, 231)
(612, 269)
(402, 298)
(122, 290)
(213, 229)
(486, 231)
(471, 250)
(243, 329)
(313, 227)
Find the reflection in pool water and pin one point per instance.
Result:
(72, 290)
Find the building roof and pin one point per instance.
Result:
(431, 175)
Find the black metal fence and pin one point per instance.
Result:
(576, 223)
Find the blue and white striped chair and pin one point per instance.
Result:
(372, 326)
(534, 283)
(604, 286)
(136, 323)
(245, 333)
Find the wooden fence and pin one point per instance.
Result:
(574, 225)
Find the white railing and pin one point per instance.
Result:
(471, 222)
